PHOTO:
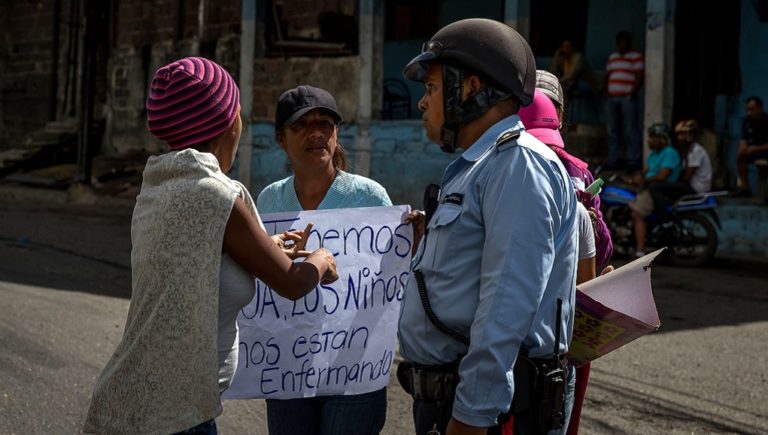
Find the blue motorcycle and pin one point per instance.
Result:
(687, 229)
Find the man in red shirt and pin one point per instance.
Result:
(624, 77)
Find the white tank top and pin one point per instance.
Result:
(236, 290)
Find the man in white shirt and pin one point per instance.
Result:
(697, 169)
(696, 174)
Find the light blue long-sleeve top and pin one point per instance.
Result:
(501, 249)
(346, 191)
(665, 158)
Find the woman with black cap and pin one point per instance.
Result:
(306, 128)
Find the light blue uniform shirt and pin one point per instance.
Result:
(501, 249)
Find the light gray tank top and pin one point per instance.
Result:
(236, 289)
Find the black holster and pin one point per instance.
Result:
(540, 389)
(434, 383)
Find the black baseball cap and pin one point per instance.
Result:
(294, 103)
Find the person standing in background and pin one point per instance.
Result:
(753, 144)
(572, 70)
(624, 77)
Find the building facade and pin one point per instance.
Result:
(700, 62)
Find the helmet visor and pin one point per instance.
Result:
(417, 68)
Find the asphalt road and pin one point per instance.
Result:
(65, 284)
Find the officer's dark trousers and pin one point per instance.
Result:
(665, 193)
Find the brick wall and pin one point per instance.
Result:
(142, 36)
(338, 75)
(145, 23)
(149, 35)
(26, 61)
(301, 16)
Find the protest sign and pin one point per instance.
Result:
(613, 310)
(340, 338)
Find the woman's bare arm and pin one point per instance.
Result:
(250, 246)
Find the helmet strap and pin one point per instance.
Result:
(453, 79)
(458, 113)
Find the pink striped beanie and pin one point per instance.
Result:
(191, 101)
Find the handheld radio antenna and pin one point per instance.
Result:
(556, 351)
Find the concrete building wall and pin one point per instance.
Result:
(149, 35)
(398, 53)
(744, 229)
(601, 32)
(273, 76)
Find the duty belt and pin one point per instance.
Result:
(436, 383)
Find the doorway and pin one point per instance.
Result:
(706, 58)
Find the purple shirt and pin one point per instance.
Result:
(603, 242)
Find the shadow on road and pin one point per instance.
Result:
(729, 291)
(84, 248)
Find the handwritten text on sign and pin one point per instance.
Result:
(339, 338)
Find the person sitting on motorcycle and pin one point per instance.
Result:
(662, 166)
(697, 168)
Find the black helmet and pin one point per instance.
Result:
(490, 49)
(659, 129)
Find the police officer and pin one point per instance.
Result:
(493, 281)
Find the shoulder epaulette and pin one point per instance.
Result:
(507, 137)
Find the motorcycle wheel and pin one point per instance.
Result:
(696, 241)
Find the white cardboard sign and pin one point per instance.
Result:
(339, 338)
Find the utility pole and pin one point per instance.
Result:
(247, 50)
(371, 48)
(659, 65)
(84, 145)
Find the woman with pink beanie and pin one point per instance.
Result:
(197, 244)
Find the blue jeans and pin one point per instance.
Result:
(569, 399)
(207, 428)
(361, 414)
(621, 115)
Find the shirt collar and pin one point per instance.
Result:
(489, 138)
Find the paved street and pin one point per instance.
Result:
(65, 283)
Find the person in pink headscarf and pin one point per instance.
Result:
(542, 120)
